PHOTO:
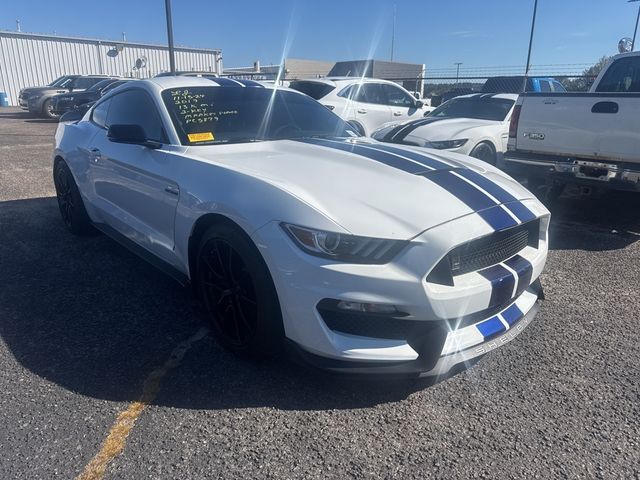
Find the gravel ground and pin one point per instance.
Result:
(83, 322)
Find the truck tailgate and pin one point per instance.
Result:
(588, 125)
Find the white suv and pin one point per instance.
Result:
(365, 103)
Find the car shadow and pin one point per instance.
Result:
(600, 221)
(87, 315)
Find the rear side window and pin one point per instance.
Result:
(622, 76)
(316, 90)
(370, 93)
(135, 107)
(545, 86)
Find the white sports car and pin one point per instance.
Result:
(359, 255)
(475, 125)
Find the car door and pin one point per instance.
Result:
(402, 104)
(132, 184)
(371, 109)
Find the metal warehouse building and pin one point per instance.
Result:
(28, 59)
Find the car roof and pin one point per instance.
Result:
(177, 81)
(339, 81)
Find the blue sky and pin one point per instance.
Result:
(435, 32)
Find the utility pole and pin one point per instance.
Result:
(533, 25)
(172, 59)
(19, 29)
(393, 30)
(635, 30)
(457, 64)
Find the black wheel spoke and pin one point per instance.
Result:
(230, 295)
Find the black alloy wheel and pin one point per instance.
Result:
(485, 152)
(238, 294)
(70, 203)
(229, 292)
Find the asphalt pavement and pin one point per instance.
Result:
(108, 370)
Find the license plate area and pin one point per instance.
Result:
(595, 170)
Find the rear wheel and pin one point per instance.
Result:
(238, 293)
(484, 151)
(72, 210)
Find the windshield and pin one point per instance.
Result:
(483, 108)
(214, 115)
(96, 87)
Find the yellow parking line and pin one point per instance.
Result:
(117, 438)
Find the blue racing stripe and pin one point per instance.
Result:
(226, 82)
(497, 218)
(512, 314)
(377, 155)
(490, 327)
(502, 283)
(250, 83)
(512, 203)
(524, 269)
(416, 157)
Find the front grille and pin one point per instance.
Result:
(485, 252)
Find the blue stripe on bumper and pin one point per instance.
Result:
(490, 327)
(512, 314)
(502, 283)
(524, 269)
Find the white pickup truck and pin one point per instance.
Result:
(590, 139)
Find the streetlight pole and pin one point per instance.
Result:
(533, 25)
(393, 31)
(635, 30)
(172, 57)
(457, 64)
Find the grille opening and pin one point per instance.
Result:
(485, 252)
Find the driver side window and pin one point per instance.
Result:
(135, 107)
(397, 97)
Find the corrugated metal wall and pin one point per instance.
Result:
(28, 60)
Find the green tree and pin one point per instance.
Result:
(584, 82)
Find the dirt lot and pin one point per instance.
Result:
(87, 328)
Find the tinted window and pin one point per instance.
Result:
(370, 93)
(100, 85)
(315, 90)
(487, 108)
(85, 82)
(397, 97)
(211, 115)
(545, 86)
(113, 85)
(348, 92)
(99, 114)
(622, 76)
(135, 107)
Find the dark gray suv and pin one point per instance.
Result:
(38, 99)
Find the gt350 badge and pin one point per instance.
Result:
(534, 136)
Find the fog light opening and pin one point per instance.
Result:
(367, 307)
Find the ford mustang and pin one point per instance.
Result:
(297, 234)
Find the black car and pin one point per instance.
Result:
(67, 101)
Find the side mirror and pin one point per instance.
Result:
(419, 104)
(132, 134)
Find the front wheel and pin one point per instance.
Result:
(47, 110)
(238, 293)
(485, 152)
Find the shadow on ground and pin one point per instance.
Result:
(597, 222)
(87, 315)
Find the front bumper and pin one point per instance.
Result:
(451, 355)
(303, 282)
(593, 173)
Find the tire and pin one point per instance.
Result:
(47, 110)
(70, 203)
(484, 151)
(358, 128)
(238, 294)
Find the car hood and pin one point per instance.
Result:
(434, 128)
(366, 189)
(42, 90)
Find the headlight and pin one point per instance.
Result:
(447, 144)
(343, 248)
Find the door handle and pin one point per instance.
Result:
(172, 190)
(96, 154)
(605, 107)
(362, 110)
(397, 114)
